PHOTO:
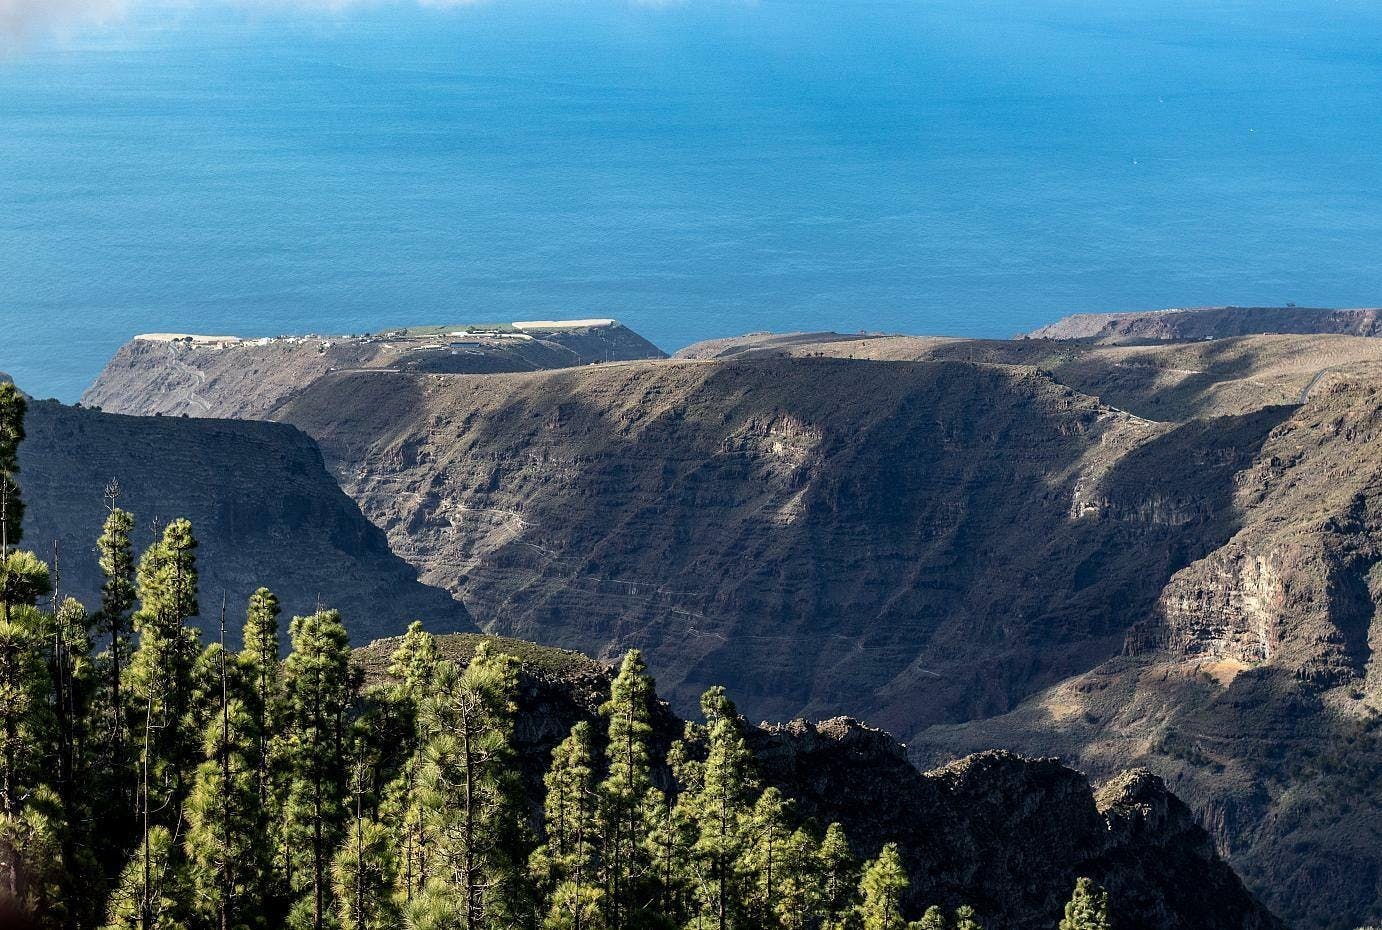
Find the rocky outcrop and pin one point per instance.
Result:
(248, 378)
(1253, 686)
(1295, 586)
(263, 506)
(1004, 834)
(1211, 323)
(1009, 835)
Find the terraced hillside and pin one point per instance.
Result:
(921, 535)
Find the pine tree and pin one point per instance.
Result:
(800, 890)
(227, 838)
(933, 919)
(318, 688)
(719, 808)
(627, 799)
(12, 410)
(413, 664)
(227, 833)
(31, 864)
(363, 875)
(881, 890)
(116, 558)
(566, 863)
(160, 676)
(1087, 909)
(365, 870)
(766, 831)
(151, 893)
(25, 712)
(32, 870)
(672, 827)
(469, 797)
(966, 918)
(72, 690)
(838, 870)
(413, 668)
(259, 658)
(263, 697)
(23, 580)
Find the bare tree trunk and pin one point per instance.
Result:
(471, 918)
(145, 905)
(227, 885)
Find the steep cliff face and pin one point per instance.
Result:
(1004, 834)
(264, 508)
(919, 540)
(228, 377)
(1296, 587)
(1212, 323)
(1253, 687)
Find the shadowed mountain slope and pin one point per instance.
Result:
(817, 534)
(264, 509)
(1254, 686)
(919, 543)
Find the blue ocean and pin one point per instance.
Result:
(696, 169)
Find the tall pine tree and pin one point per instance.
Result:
(837, 867)
(318, 689)
(228, 837)
(719, 808)
(161, 683)
(627, 795)
(413, 668)
(469, 797)
(764, 862)
(116, 558)
(565, 866)
(78, 770)
(264, 705)
(1087, 909)
(881, 890)
(31, 864)
(365, 869)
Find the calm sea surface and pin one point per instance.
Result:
(696, 169)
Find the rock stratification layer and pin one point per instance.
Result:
(927, 539)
